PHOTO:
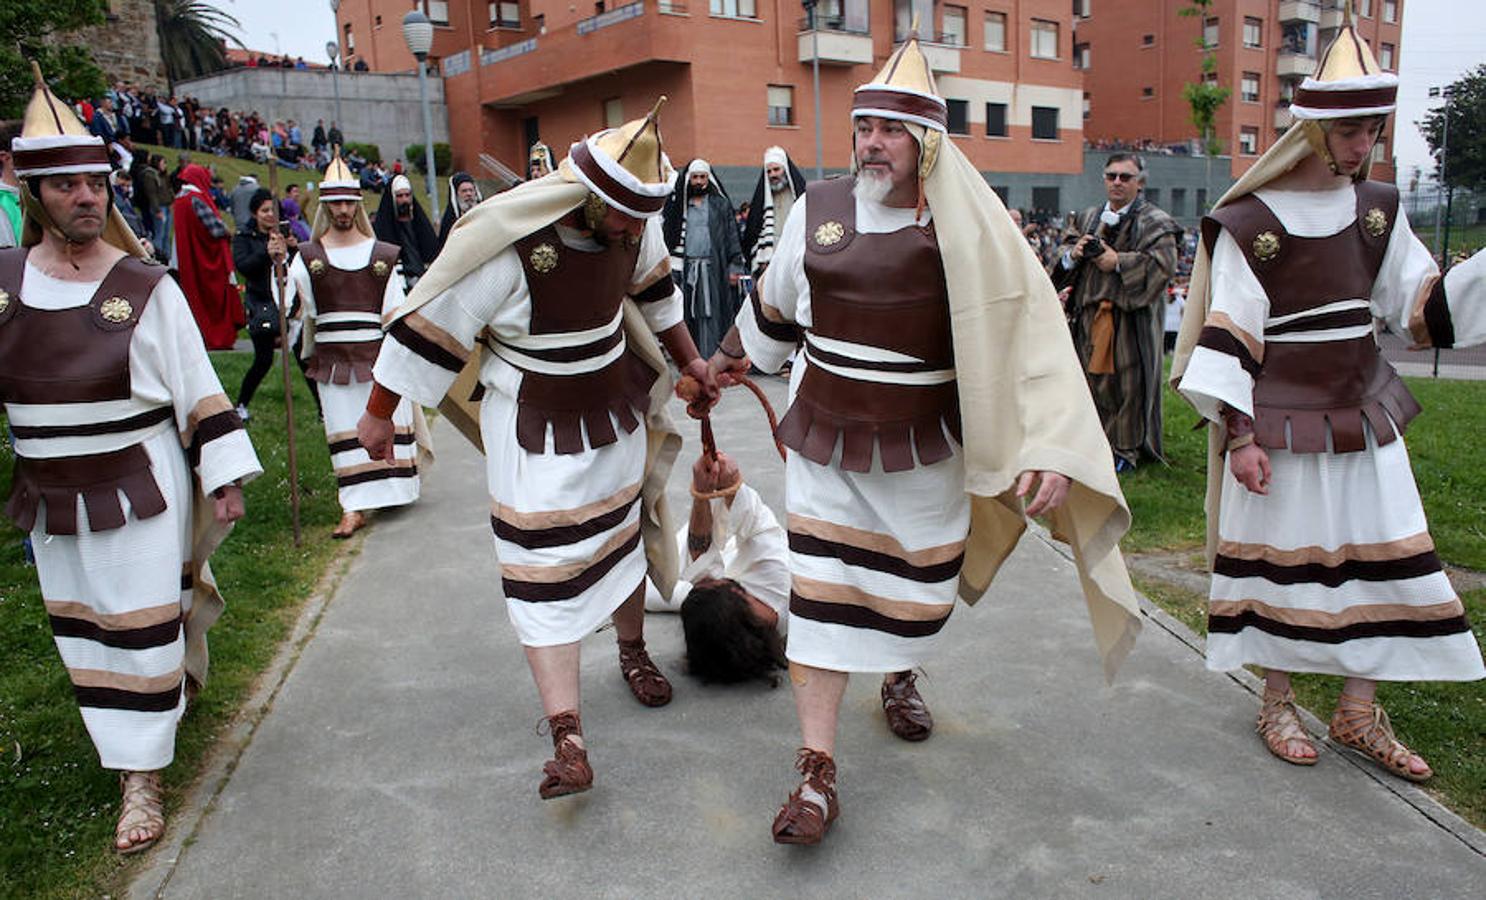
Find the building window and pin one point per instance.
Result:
(781, 105)
(1380, 150)
(1253, 32)
(1087, 106)
(735, 9)
(1080, 56)
(1385, 56)
(1046, 199)
(954, 26)
(1390, 10)
(996, 120)
(1147, 92)
(505, 14)
(996, 32)
(1003, 191)
(1248, 141)
(1365, 9)
(1201, 201)
(1148, 40)
(1210, 32)
(904, 12)
(1044, 39)
(1045, 123)
(959, 116)
(1081, 9)
(437, 11)
(350, 41)
(1249, 87)
(1178, 202)
(1153, 196)
(1209, 77)
(613, 113)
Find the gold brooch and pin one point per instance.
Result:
(1266, 246)
(317, 267)
(829, 233)
(379, 268)
(4, 299)
(1375, 221)
(543, 258)
(116, 310)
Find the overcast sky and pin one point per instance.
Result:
(1442, 39)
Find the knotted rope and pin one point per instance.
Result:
(689, 389)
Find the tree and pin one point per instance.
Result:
(1466, 102)
(1205, 97)
(37, 30)
(193, 37)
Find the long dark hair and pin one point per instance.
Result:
(725, 642)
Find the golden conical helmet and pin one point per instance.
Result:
(53, 140)
(1348, 82)
(340, 182)
(626, 166)
(904, 90)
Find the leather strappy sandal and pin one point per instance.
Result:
(568, 772)
(907, 714)
(143, 809)
(1279, 725)
(808, 813)
(1362, 726)
(646, 681)
(351, 522)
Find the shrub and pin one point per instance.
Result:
(442, 157)
(370, 152)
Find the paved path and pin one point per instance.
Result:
(397, 759)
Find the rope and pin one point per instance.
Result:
(688, 389)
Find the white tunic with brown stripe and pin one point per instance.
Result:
(1334, 570)
(117, 598)
(363, 483)
(567, 524)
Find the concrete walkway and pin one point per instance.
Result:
(397, 758)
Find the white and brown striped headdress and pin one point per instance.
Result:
(904, 90)
(1348, 83)
(626, 167)
(340, 182)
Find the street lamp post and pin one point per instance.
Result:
(815, 76)
(417, 30)
(333, 50)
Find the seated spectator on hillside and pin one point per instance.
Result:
(734, 587)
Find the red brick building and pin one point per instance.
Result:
(737, 72)
(1136, 55)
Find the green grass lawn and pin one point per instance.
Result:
(230, 169)
(1444, 722)
(57, 807)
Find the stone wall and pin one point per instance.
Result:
(127, 47)
(375, 108)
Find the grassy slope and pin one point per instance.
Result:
(57, 807)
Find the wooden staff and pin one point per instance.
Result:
(281, 278)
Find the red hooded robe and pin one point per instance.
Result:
(203, 252)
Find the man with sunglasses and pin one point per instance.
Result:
(1117, 261)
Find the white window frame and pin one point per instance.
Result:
(995, 26)
(1390, 10)
(496, 10)
(1245, 80)
(1257, 26)
(780, 92)
(733, 9)
(944, 19)
(437, 11)
(1037, 48)
(1212, 24)
(1248, 147)
(1385, 56)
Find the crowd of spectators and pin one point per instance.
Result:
(1144, 145)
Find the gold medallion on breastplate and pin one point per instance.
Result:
(380, 268)
(1266, 246)
(829, 233)
(543, 258)
(116, 310)
(4, 299)
(317, 267)
(1375, 221)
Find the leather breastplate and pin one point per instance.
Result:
(884, 291)
(575, 291)
(358, 292)
(1310, 385)
(68, 356)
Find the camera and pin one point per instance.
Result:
(1093, 249)
(284, 229)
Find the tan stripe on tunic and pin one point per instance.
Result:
(661, 270)
(436, 335)
(536, 521)
(903, 610)
(566, 571)
(138, 684)
(334, 436)
(874, 541)
(1352, 615)
(1222, 320)
(375, 465)
(1383, 551)
(147, 617)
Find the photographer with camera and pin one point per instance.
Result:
(261, 236)
(1113, 271)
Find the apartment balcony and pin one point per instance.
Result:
(1282, 117)
(1300, 11)
(834, 42)
(1289, 64)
